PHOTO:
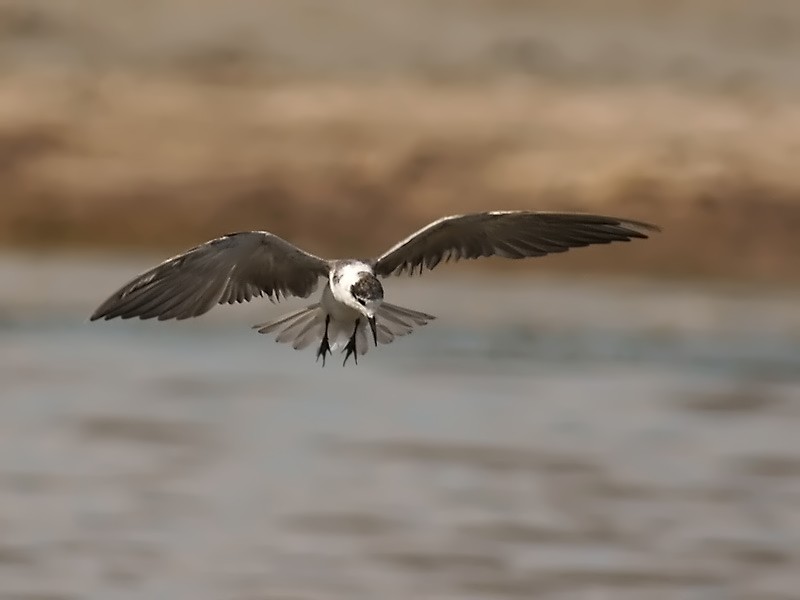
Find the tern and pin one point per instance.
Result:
(239, 267)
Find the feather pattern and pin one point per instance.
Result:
(230, 269)
(510, 234)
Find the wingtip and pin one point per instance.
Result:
(640, 227)
(651, 227)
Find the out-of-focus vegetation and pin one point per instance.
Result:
(162, 123)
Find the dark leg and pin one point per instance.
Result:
(324, 347)
(351, 345)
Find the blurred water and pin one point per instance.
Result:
(553, 439)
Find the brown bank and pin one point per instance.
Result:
(151, 162)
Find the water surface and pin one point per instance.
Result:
(592, 439)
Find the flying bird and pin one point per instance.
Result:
(238, 267)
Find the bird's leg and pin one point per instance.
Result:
(351, 345)
(324, 347)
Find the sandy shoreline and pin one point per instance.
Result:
(157, 128)
(146, 162)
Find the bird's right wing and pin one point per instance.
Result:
(232, 268)
(511, 234)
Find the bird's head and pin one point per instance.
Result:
(367, 292)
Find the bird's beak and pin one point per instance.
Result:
(374, 327)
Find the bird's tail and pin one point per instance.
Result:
(303, 327)
(395, 321)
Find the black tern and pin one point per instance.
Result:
(238, 267)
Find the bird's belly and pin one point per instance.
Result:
(342, 313)
(342, 320)
(337, 310)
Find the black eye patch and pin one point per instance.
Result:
(367, 288)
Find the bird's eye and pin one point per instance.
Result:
(361, 301)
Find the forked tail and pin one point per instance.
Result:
(308, 325)
(395, 321)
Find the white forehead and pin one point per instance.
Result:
(351, 272)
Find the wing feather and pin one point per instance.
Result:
(230, 269)
(510, 234)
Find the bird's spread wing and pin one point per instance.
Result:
(511, 234)
(232, 268)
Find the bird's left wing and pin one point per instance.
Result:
(511, 234)
(232, 268)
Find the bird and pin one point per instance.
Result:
(238, 267)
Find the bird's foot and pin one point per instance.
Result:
(325, 346)
(351, 349)
(323, 350)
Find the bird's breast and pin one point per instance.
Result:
(335, 304)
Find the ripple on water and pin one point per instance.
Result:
(491, 457)
(140, 430)
(345, 523)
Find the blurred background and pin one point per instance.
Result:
(616, 422)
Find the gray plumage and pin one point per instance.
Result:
(306, 325)
(233, 268)
(511, 234)
(241, 266)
